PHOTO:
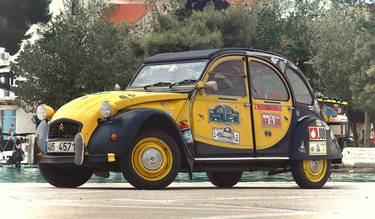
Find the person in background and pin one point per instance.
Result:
(11, 132)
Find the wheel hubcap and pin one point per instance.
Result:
(152, 159)
(315, 165)
(315, 170)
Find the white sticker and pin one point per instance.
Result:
(274, 60)
(317, 148)
(226, 134)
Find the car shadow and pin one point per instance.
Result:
(210, 188)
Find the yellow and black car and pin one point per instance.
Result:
(219, 111)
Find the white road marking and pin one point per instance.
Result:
(130, 206)
(257, 215)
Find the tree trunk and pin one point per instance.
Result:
(353, 124)
(366, 141)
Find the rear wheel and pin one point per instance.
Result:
(311, 174)
(152, 162)
(71, 177)
(224, 179)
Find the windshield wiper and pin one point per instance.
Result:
(186, 82)
(158, 84)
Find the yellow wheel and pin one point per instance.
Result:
(311, 174)
(224, 179)
(152, 159)
(315, 170)
(152, 162)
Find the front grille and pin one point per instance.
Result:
(63, 129)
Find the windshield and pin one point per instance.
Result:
(161, 75)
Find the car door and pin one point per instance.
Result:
(221, 117)
(272, 107)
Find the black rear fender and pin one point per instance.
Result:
(301, 141)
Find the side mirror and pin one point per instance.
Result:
(210, 86)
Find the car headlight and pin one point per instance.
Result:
(108, 109)
(44, 112)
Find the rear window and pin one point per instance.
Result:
(300, 90)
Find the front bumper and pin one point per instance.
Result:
(89, 160)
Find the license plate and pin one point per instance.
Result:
(61, 147)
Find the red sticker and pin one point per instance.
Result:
(267, 107)
(271, 120)
(317, 133)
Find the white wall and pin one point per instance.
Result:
(23, 122)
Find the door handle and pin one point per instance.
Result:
(291, 108)
(247, 104)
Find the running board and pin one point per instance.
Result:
(239, 158)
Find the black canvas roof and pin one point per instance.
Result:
(181, 56)
(201, 54)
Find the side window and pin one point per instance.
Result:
(301, 92)
(230, 78)
(266, 84)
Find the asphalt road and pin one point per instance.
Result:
(188, 200)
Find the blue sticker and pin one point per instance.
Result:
(224, 114)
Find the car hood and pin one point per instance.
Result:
(90, 104)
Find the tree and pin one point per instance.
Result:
(234, 27)
(363, 85)
(16, 16)
(77, 55)
(199, 5)
(342, 51)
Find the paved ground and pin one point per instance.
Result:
(188, 200)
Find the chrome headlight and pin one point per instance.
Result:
(108, 109)
(44, 112)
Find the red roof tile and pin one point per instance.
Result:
(128, 12)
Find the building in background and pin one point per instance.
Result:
(10, 113)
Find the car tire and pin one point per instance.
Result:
(152, 162)
(64, 177)
(224, 179)
(311, 174)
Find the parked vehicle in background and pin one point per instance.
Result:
(334, 114)
(220, 111)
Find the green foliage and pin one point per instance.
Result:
(234, 27)
(187, 7)
(332, 42)
(366, 95)
(77, 55)
(332, 46)
(15, 18)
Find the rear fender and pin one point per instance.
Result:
(301, 142)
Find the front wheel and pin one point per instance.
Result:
(152, 162)
(224, 179)
(311, 174)
(71, 177)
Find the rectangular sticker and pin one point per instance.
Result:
(224, 114)
(317, 148)
(226, 134)
(267, 107)
(317, 133)
(271, 120)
